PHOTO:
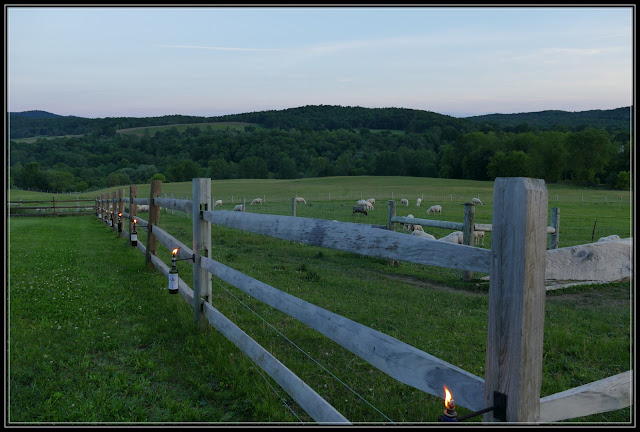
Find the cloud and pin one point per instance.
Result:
(217, 48)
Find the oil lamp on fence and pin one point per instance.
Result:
(111, 219)
(134, 233)
(173, 273)
(119, 222)
(449, 414)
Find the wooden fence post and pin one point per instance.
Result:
(54, 205)
(467, 232)
(293, 206)
(515, 328)
(105, 200)
(114, 212)
(391, 226)
(120, 209)
(154, 216)
(555, 223)
(133, 208)
(201, 245)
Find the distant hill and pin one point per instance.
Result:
(37, 114)
(30, 124)
(553, 119)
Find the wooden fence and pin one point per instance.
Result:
(51, 207)
(516, 264)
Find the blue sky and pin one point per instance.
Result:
(460, 61)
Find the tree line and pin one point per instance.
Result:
(103, 158)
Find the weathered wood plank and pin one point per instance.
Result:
(608, 394)
(141, 201)
(399, 360)
(175, 204)
(318, 408)
(515, 329)
(154, 217)
(184, 252)
(201, 235)
(428, 222)
(357, 238)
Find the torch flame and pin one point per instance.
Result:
(175, 251)
(448, 399)
(135, 220)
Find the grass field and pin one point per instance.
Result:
(94, 336)
(152, 130)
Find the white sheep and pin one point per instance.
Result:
(612, 237)
(454, 237)
(477, 236)
(372, 200)
(418, 228)
(300, 200)
(404, 201)
(408, 227)
(238, 208)
(476, 201)
(142, 207)
(362, 203)
(418, 202)
(423, 235)
(434, 209)
(256, 201)
(217, 203)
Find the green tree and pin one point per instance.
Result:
(388, 163)
(589, 152)
(319, 167)
(287, 169)
(513, 164)
(60, 181)
(253, 167)
(158, 176)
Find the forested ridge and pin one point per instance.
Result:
(588, 148)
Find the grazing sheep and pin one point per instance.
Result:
(256, 201)
(423, 235)
(612, 237)
(418, 202)
(408, 227)
(454, 237)
(418, 228)
(372, 200)
(365, 204)
(300, 200)
(142, 207)
(217, 203)
(238, 208)
(358, 209)
(476, 201)
(477, 236)
(434, 209)
(404, 201)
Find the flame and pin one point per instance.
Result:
(135, 221)
(448, 399)
(175, 251)
(119, 214)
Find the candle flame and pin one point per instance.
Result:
(175, 251)
(448, 399)
(135, 221)
(119, 214)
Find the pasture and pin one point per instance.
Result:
(152, 130)
(95, 337)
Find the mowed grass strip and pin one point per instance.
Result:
(94, 337)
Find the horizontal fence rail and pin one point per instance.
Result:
(397, 359)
